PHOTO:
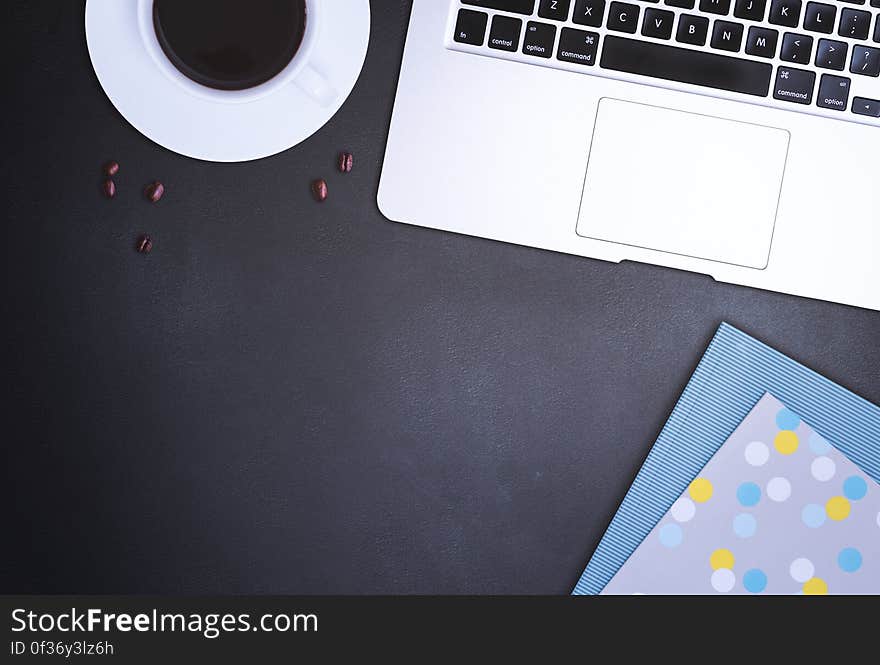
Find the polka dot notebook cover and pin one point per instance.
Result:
(777, 510)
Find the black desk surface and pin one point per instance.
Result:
(299, 398)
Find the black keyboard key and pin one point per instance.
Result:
(854, 24)
(623, 17)
(785, 12)
(762, 42)
(833, 92)
(556, 10)
(796, 48)
(877, 30)
(692, 29)
(589, 12)
(875, 3)
(681, 4)
(854, 2)
(671, 63)
(504, 34)
(658, 23)
(868, 107)
(820, 17)
(794, 85)
(513, 6)
(721, 7)
(470, 28)
(750, 10)
(865, 61)
(727, 36)
(539, 38)
(578, 46)
(831, 54)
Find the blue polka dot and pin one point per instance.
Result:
(745, 525)
(786, 419)
(854, 488)
(813, 515)
(671, 535)
(849, 560)
(748, 494)
(818, 444)
(755, 581)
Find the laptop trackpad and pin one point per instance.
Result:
(683, 183)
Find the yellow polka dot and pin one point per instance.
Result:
(837, 508)
(786, 442)
(721, 559)
(815, 586)
(700, 490)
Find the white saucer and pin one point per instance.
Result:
(196, 127)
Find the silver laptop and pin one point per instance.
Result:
(734, 138)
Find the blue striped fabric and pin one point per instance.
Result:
(733, 375)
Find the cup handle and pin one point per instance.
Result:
(315, 86)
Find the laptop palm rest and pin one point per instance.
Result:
(683, 183)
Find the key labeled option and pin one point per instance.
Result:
(578, 46)
(794, 85)
(833, 92)
(539, 39)
(504, 34)
(868, 107)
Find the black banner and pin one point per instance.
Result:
(278, 629)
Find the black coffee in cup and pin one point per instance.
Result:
(230, 44)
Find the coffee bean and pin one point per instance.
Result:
(319, 190)
(109, 188)
(144, 244)
(111, 168)
(154, 191)
(345, 162)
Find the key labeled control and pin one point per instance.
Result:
(833, 92)
(794, 85)
(504, 34)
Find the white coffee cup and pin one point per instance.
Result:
(298, 71)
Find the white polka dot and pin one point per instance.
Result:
(757, 453)
(723, 580)
(683, 510)
(878, 519)
(823, 468)
(801, 570)
(778, 489)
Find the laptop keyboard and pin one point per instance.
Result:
(815, 57)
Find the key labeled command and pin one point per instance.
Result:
(578, 46)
